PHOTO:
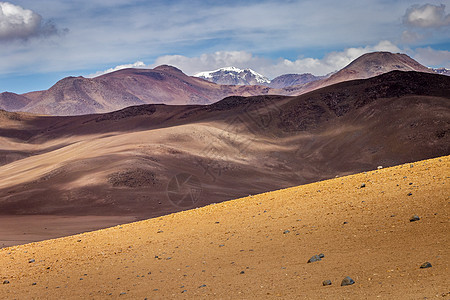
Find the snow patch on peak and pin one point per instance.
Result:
(234, 76)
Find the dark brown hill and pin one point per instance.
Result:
(366, 66)
(123, 88)
(169, 85)
(122, 163)
(12, 101)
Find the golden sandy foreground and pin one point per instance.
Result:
(258, 246)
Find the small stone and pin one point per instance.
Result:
(184, 291)
(426, 265)
(380, 167)
(242, 272)
(414, 218)
(34, 283)
(314, 259)
(6, 282)
(347, 281)
(31, 261)
(345, 222)
(363, 185)
(409, 194)
(203, 285)
(326, 282)
(321, 255)
(286, 231)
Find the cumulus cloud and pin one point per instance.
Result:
(20, 23)
(272, 67)
(138, 64)
(426, 16)
(411, 37)
(431, 57)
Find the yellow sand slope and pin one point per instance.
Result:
(258, 246)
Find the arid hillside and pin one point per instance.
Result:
(385, 229)
(120, 89)
(169, 85)
(142, 161)
(365, 66)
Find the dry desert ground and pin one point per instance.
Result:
(258, 246)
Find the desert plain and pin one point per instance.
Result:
(259, 246)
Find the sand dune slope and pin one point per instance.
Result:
(258, 246)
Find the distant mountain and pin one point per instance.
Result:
(169, 85)
(442, 71)
(234, 76)
(293, 79)
(121, 163)
(366, 66)
(13, 102)
(123, 88)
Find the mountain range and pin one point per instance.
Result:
(121, 163)
(234, 76)
(169, 85)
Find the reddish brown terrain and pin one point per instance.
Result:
(366, 66)
(169, 85)
(150, 160)
(120, 89)
(258, 247)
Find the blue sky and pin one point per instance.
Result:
(46, 40)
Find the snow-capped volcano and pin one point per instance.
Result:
(234, 76)
(442, 71)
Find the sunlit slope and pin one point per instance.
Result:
(258, 246)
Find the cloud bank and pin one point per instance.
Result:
(19, 23)
(426, 16)
(271, 68)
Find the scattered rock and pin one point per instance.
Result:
(242, 272)
(414, 218)
(184, 291)
(326, 282)
(347, 281)
(426, 265)
(363, 185)
(203, 285)
(321, 255)
(31, 261)
(286, 231)
(34, 283)
(345, 222)
(314, 259)
(6, 282)
(380, 167)
(409, 194)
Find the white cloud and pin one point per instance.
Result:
(271, 68)
(20, 23)
(409, 37)
(138, 64)
(432, 58)
(426, 16)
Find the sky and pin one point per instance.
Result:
(44, 41)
